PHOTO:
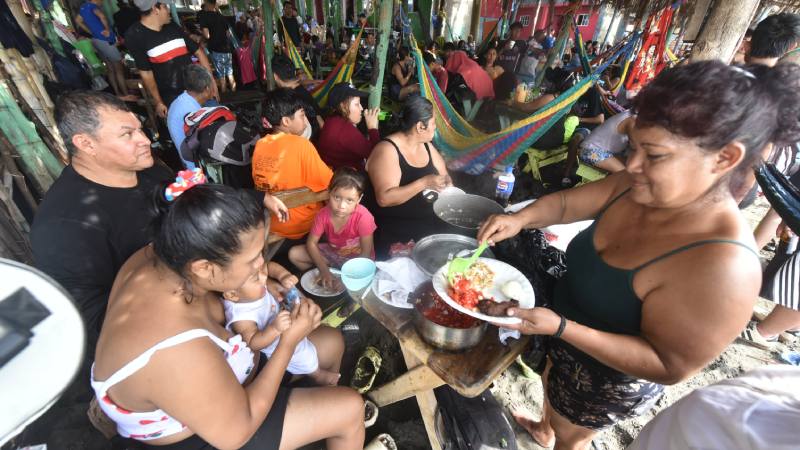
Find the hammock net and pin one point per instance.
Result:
(469, 149)
(341, 73)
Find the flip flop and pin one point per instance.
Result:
(370, 413)
(336, 317)
(367, 367)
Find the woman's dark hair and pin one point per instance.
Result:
(347, 177)
(614, 71)
(402, 53)
(448, 47)
(714, 104)
(280, 103)
(416, 109)
(205, 222)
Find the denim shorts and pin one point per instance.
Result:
(223, 64)
(107, 52)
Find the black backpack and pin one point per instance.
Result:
(222, 145)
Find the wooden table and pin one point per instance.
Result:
(469, 373)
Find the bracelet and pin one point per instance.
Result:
(561, 327)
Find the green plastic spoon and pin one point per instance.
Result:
(460, 265)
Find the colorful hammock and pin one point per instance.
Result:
(473, 151)
(294, 53)
(651, 59)
(341, 73)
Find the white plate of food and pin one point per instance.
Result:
(489, 280)
(310, 282)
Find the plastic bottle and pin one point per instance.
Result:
(505, 185)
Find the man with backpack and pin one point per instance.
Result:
(199, 90)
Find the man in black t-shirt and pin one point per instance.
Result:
(289, 20)
(510, 55)
(96, 213)
(215, 30)
(125, 17)
(161, 50)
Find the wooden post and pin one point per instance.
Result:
(474, 28)
(551, 13)
(610, 26)
(384, 28)
(536, 15)
(727, 23)
(557, 51)
(269, 47)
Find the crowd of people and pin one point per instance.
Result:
(167, 271)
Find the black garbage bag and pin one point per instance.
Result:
(473, 423)
(532, 255)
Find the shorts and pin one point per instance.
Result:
(332, 255)
(107, 52)
(593, 155)
(223, 64)
(267, 436)
(592, 395)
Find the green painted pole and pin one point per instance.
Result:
(384, 28)
(558, 48)
(36, 160)
(173, 11)
(269, 48)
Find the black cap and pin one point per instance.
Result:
(342, 92)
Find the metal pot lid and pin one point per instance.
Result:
(432, 252)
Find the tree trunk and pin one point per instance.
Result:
(269, 46)
(725, 27)
(384, 29)
(696, 18)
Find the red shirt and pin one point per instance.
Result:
(341, 144)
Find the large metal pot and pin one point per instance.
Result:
(465, 211)
(441, 336)
(432, 252)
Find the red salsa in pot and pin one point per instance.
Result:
(431, 305)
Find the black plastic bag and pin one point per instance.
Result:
(473, 423)
(532, 255)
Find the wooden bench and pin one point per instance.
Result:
(292, 198)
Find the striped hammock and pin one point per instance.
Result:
(294, 53)
(473, 151)
(341, 73)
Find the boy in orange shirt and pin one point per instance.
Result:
(285, 160)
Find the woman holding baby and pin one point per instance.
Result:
(176, 370)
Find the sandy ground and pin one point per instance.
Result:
(516, 392)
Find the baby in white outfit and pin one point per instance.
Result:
(255, 314)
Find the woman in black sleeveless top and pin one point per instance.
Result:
(400, 168)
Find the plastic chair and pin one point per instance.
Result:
(537, 159)
(85, 47)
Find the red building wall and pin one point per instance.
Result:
(529, 11)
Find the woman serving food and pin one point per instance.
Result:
(667, 275)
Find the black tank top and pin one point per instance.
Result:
(413, 219)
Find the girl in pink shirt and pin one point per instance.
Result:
(346, 224)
